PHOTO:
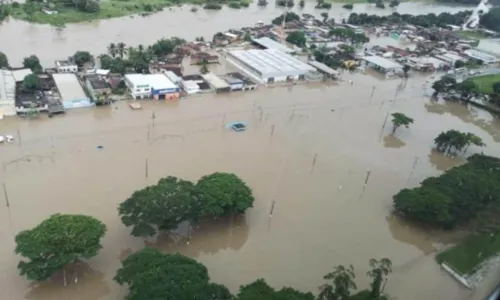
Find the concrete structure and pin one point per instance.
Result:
(481, 56)
(71, 91)
(235, 84)
(267, 43)
(7, 94)
(190, 86)
(324, 69)
(162, 87)
(157, 86)
(65, 66)
(97, 85)
(173, 77)
(383, 64)
(269, 66)
(216, 83)
(450, 58)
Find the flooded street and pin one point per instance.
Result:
(50, 43)
(322, 217)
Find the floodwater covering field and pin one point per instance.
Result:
(323, 216)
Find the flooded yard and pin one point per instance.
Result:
(309, 148)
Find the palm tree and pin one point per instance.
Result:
(140, 48)
(343, 282)
(380, 270)
(122, 49)
(112, 50)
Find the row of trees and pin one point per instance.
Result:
(428, 20)
(150, 274)
(120, 57)
(467, 89)
(455, 198)
(62, 240)
(491, 19)
(172, 201)
(453, 141)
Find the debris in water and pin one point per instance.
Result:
(100, 147)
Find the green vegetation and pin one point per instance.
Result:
(31, 83)
(121, 58)
(83, 57)
(58, 241)
(4, 61)
(428, 20)
(69, 13)
(32, 62)
(467, 88)
(150, 274)
(456, 141)
(471, 34)
(348, 6)
(291, 16)
(491, 19)
(455, 198)
(322, 4)
(486, 83)
(4, 11)
(468, 255)
(164, 205)
(400, 119)
(297, 38)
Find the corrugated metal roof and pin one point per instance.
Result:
(272, 44)
(271, 62)
(382, 62)
(215, 81)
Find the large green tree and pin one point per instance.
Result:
(456, 141)
(83, 57)
(297, 38)
(152, 275)
(341, 286)
(260, 290)
(4, 62)
(491, 19)
(58, 241)
(454, 198)
(32, 62)
(379, 271)
(31, 83)
(444, 85)
(400, 119)
(159, 207)
(467, 89)
(223, 194)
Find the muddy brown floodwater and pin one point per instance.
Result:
(322, 216)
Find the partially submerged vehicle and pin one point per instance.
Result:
(237, 126)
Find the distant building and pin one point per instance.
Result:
(7, 94)
(198, 57)
(216, 83)
(71, 91)
(66, 66)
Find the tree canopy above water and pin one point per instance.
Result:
(454, 198)
(427, 20)
(58, 241)
(164, 205)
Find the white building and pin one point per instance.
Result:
(190, 86)
(479, 55)
(7, 94)
(270, 65)
(173, 77)
(65, 66)
(157, 86)
(71, 91)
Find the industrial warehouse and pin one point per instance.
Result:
(270, 65)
